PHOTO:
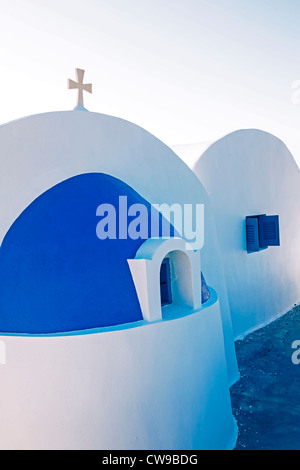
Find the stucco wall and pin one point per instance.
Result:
(150, 386)
(251, 172)
(43, 150)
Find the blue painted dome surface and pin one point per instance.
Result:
(56, 275)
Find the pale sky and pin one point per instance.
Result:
(186, 70)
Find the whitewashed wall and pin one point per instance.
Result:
(155, 386)
(40, 151)
(246, 173)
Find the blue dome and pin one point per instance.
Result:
(56, 275)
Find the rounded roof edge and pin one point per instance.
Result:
(248, 132)
(83, 115)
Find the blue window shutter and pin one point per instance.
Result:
(165, 283)
(252, 234)
(269, 230)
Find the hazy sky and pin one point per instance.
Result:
(186, 70)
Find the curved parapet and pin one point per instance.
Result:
(149, 386)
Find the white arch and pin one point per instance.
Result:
(43, 150)
(145, 270)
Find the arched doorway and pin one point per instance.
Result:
(176, 282)
(167, 276)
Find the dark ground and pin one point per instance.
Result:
(266, 401)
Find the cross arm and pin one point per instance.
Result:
(72, 85)
(88, 87)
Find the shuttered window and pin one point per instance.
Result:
(262, 231)
(269, 230)
(252, 234)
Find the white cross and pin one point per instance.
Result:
(80, 86)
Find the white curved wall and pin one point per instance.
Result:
(251, 172)
(155, 386)
(43, 150)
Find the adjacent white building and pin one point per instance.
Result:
(251, 173)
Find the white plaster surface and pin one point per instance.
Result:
(156, 386)
(250, 172)
(43, 150)
(2, 353)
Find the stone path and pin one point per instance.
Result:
(266, 401)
